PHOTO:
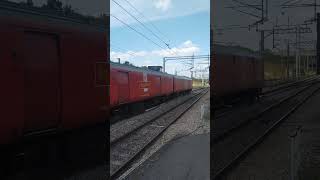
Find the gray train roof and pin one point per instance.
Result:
(234, 50)
(139, 69)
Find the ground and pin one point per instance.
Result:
(176, 153)
(272, 159)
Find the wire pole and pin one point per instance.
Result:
(296, 52)
(262, 42)
(299, 52)
(318, 43)
(164, 64)
(288, 58)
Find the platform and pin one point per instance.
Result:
(184, 158)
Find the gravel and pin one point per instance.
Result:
(121, 128)
(271, 159)
(189, 124)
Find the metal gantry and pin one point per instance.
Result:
(312, 20)
(191, 60)
(260, 10)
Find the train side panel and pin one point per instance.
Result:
(166, 85)
(155, 85)
(223, 74)
(12, 88)
(139, 86)
(176, 85)
(143, 85)
(49, 70)
(181, 84)
(113, 87)
(235, 74)
(80, 92)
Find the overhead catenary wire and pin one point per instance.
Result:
(154, 26)
(172, 51)
(141, 23)
(141, 34)
(121, 49)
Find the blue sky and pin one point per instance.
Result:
(184, 26)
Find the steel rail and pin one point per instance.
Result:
(113, 141)
(247, 149)
(124, 166)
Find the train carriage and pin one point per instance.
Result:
(235, 71)
(130, 84)
(52, 91)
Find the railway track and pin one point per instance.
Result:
(127, 146)
(259, 109)
(285, 86)
(233, 144)
(125, 115)
(277, 90)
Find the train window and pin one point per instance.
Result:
(93, 11)
(101, 74)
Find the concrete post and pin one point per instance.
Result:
(294, 152)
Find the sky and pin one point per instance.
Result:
(184, 25)
(224, 17)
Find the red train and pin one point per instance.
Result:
(53, 76)
(130, 85)
(235, 71)
(55, 80)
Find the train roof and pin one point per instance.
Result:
(140, 69)
(235, 50)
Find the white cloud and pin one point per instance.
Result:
(155, 57)
(164, 5)
(156, 10)
(185, 49)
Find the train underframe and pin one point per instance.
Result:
(135, 108)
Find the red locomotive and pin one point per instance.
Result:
(235, 71)
(130, 85)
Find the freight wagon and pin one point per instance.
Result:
(49, 79)
(235, 72)
(132, 86)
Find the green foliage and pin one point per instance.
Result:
(128, 63)
(53, 4)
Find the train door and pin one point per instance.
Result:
(41, 81)
(123, 87)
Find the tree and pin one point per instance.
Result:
(67, 9)
(54, 4)
(29, 3)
